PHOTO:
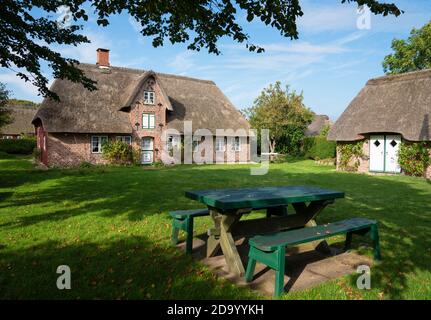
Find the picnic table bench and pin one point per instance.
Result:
(271, 249)
(183, 220)
(227, 206)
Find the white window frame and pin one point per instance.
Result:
(149, 97)
(99, 143)
(218, 145)
(236, 144)
(147, 125)
(125, 139)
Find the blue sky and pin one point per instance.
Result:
(330, 62)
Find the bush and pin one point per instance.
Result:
(18, 146)
(318, 148)
(85, 165)
(136, 156)
(414, 158)
(37, 152)
(350, 152)
(117, 152)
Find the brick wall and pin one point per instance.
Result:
(66, 149)
(159, 110)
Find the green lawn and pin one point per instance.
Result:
(111, 226)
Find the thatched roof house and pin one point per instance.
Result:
(387, 111)
(319, 122)
(134, 103)
(22, 115)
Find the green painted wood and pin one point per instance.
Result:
(254, 198)
(183, 220)
(299, 236)
(182, 214)
(271, 249)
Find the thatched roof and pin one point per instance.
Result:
(393, 104)
(318, 123)
(22, 115)
(103, 110)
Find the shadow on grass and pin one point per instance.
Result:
(401, 205)
(132, 268)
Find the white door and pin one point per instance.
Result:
(377, 153)
(391, 154)
(147, 150)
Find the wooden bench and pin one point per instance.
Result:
(271, 249)
(183, 220)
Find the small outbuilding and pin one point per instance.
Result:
(22, 116)
(320, 121)
(387, 112)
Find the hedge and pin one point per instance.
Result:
(18, 146)
(318, 148)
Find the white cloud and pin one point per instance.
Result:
(323, 16)
(327, 18)
(11, 79)
(86, 52)
(182, 62)
(304, 47)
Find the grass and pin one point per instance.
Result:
(111, 226)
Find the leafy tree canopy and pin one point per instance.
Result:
(411, 54)
(282, 112)
(5, 114)
(28, 28)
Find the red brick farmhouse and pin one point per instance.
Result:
(136, 106)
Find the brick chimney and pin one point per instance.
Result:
(103, 58)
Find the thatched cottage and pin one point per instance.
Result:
(134, 106)
(319, 122)
(22, 115)
(388, 111)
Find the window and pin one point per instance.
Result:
(236, 144)
(148, 121)
(149, 97)
(97, 143)
(219, 144)
(125, 139)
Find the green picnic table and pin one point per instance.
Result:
(227, 206)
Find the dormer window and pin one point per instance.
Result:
(149, 97)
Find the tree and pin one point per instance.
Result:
(325, 130)
(284, 114)
(5, 114)
(28, 28)
(411, 54)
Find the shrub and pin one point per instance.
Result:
(136, 156)
(414, 158)
(18, 146)
(349, 151)
(37, 153)
(117, 152)
(158, 164)
(85, 165)
(318, 148)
